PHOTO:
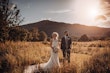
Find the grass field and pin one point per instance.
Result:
(85, 57)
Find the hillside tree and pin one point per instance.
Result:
(84, 38)
(9, 17)
(34, 34)
(43, 36)
(18, 34)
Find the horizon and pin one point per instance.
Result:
(90, 13)
(65, 23)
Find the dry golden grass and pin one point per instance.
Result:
(15, 56)
(99, 63)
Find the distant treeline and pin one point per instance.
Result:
(21, 34)
(85, 37)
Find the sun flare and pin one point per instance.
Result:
(92, 12)
(86, 11)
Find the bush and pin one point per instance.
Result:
(3, 34)
(18, 34)
(43, 36)
(33, 34)
(84, 38)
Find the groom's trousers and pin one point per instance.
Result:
(66, 54)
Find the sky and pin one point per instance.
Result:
(87, 12)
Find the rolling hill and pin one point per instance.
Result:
(60, 27)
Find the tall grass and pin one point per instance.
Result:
(16, 56)
(99, 63)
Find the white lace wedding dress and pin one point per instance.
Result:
(52, 62)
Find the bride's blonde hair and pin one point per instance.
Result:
(57, 35)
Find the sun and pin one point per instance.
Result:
(86, 11)
(92, 12)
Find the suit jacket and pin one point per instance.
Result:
(63, 43)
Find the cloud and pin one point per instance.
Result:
(59, 11)
(106, 1)
(101, 17)
(46, 18)
(105, 6)
(104, 19)
(104, 24)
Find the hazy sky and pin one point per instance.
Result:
(69, 11)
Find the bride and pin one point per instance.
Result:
(53, 62)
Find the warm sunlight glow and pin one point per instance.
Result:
(86, 11)
(92, 12)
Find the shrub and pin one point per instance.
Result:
(84, 38)
(33, 34)
(42, 36)
(3, 34)
(18, 34)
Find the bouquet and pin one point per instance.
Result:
(55, 49)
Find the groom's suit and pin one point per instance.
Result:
(66, 46)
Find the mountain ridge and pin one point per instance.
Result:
(74, 29)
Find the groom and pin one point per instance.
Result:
(66, 46)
